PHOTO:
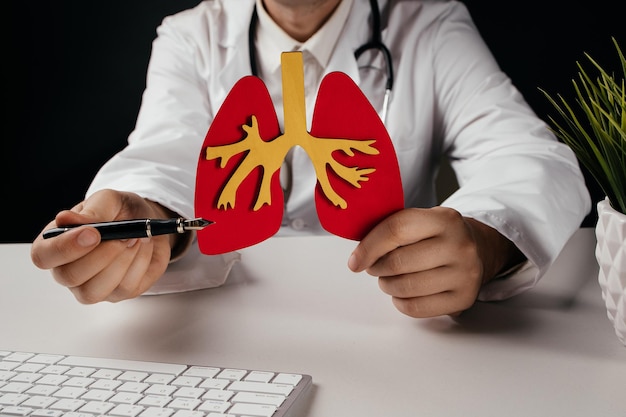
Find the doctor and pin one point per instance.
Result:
(521, 192)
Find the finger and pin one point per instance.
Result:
(65, 248)
(82, 269)
(78, 207)
(105, 281)
(400, 229)
(462, 282)
(138, 278)
(149, 263)
(104, 205)
(445, 303)
(419, 256)
(101, 207)
(418, 284)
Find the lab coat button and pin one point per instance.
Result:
(298, 224)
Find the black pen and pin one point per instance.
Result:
(137, 228)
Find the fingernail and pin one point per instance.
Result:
(352, 262)
(87, 238)
(132, 242)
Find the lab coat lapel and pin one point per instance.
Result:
(355, 33)
(236, 67)
(342, 60)
(235, 41)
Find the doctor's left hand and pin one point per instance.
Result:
(433, 261)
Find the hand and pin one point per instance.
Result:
(104, 271)
(433, 261)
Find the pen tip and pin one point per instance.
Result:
(197, 224)
(205, 222)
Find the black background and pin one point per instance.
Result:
(75, 71)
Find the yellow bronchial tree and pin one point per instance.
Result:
(270, 155)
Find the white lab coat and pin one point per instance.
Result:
(450, 98)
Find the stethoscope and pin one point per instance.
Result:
(376, 43)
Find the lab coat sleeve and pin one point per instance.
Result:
(513, 173)
(160, 160)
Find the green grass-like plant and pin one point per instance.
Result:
(595, 129)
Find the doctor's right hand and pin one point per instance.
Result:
(112, 270)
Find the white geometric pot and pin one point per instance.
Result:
(611, 256)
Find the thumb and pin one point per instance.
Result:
(101, 206)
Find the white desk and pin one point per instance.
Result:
(292, 305)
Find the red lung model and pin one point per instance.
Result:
(237, 182)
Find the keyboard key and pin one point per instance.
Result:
(133, 376)
(214, 383)
(106, 384)
(6, 375)
(67, 404)
(26, 377)
(291, 379)
(45, 359)
(42, 390)
(157, 412)
(55, 369)
(213, 406)
(258, 398)
(163, 390)
(137, 387)
(188, 392)
(261, 410)
(154, 401)
(12, 399)
(151, 367)
(18, 356)
(186, 381)
(52, 379)
(125, 398)
(190, 413)
(30, 367)
(80, 371)
(231, 374)
(39, 401)
(16, 411)
(8, 366)
(106, 374)
(77, 414)
(47, 413)
(202, 371)
(69, 392)
(79, 382)
(126, 410)
(184, 403)
(259, 376)
(282, 389)
(218, 394)
(16, 387)
(97, 395)
(161, 379)
(96, 407)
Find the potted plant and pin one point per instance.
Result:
(594, 127)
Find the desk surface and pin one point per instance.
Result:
(292, 305)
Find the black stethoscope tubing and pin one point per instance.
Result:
(377, 43)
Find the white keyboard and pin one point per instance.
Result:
(46, 385)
